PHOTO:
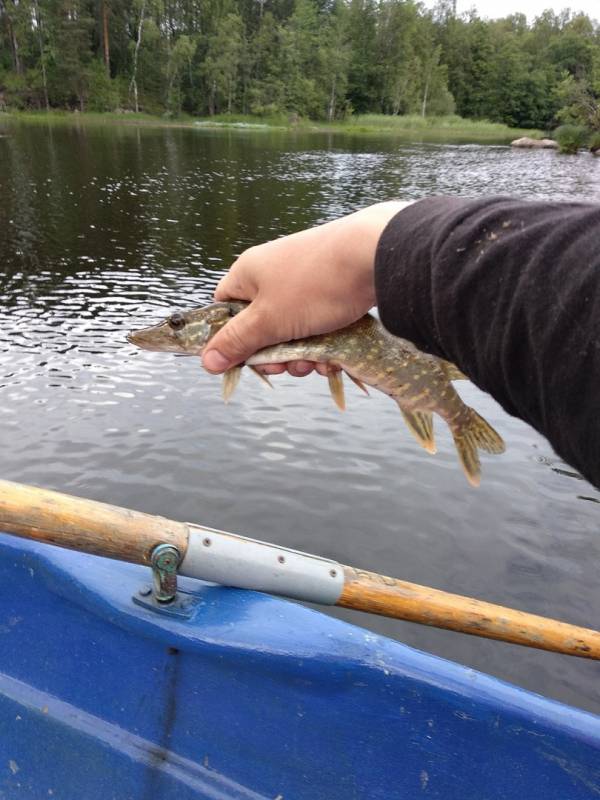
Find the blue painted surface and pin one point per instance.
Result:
(252, 697)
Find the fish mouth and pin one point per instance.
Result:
(133, 337)
(157, 340)
(145, 340)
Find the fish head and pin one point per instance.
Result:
(186, 332)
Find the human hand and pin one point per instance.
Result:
(311, 282)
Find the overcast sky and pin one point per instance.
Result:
(532, 8)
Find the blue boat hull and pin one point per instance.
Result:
(250, 697)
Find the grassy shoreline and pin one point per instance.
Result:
(413, 127)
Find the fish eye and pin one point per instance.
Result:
(177, 321)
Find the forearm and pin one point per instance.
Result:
(510, 292)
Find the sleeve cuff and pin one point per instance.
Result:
(403, 274)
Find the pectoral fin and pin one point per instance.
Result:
(231, 378)
(336, 387)
(420, 424)
(260, 375)
(359, 383)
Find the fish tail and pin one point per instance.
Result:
(471, 433)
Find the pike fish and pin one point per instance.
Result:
(420, 384)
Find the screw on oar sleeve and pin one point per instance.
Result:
(86, 525)
(389, 597)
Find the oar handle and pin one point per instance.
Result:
(389, 597)
(85, 525)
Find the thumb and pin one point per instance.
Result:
(242, 336)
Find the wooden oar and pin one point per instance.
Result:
(232, 560)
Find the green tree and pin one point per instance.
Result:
(434, 96)
(313, 58)
(13, 15)
(573, 50)
(300, 36)
(397, 61)
(362, 64)
(179, 66)
(266, 85)
(519, 94)
(334, 59)
(222, 63)
(149, 54)
(580, 102)
(70, 52)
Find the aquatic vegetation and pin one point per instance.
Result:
(571, 138)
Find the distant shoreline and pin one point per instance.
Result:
(407, 128)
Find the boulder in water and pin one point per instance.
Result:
(539, 144)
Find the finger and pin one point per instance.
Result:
(243, 335)
(228, 288)
(299, 369)
(326, 369)
(237, 283)
(271, 369)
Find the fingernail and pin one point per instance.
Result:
(215, 361)
(304, 369)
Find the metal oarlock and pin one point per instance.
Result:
(165, 561)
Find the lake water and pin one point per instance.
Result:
(108, 228)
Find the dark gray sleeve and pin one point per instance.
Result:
(508, 290)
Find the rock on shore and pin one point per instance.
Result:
(540, 144)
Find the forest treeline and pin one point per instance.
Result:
(321, 59)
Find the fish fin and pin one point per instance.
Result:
(469, 458)
(452, 371)
(358, 382)
(263, 378)
(231, 378)
(336, 387)
(420, 424)
(476, 432)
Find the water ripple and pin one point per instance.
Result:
(109, 230)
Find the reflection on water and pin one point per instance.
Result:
(105, 229)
